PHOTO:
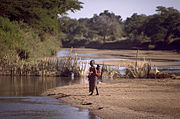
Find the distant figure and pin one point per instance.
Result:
(92, 77)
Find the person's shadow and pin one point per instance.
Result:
(61, 95)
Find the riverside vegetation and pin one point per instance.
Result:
(31, 30)
(73, 65)
(138, 69)
(28, 31)
(49, 66)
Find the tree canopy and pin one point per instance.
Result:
(41, 14)
(160, 29)
(164, 25)
(28, 28)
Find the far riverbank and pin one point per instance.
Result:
(126, 57)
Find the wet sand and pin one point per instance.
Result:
(126, 99)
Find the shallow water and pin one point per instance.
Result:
(40, 108)
(63, 52)
(32, 86)
(87, 57)
(20, 99)
(170, 69)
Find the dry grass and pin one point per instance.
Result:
(48, 66)
(142, 68)
(73, 65)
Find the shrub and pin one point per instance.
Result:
(10, 36)
(25, 42)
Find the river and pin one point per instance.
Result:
(20, 98)
(86, 57)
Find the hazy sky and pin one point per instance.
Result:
(124, 8)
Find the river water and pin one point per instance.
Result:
(87, 57)
(20, 98)
(38, 107)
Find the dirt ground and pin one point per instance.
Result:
(126, 98)
(157, 58)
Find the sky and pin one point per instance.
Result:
(124, 8)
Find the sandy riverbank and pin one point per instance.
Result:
(126, 99)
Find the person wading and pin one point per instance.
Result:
(92, 77)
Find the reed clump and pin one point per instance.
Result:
(142, 68)
(72, 64)
(49, 66)
(138, 71)
(111, 72)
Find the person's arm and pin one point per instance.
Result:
(90, 72)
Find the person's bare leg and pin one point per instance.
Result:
(97, 93)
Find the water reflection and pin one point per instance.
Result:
(63, 53)
(19, 99)
(32, 86)
(40, 108)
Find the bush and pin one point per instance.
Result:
(11, 36)
(25, 42)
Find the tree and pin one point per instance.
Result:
(171, 22)
(41, 14)
(135, 24)
(106, 23)
(154, 29)
(164, 25)
(160, 27)
(28, 28)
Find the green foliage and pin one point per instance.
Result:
(161, 27)
(24, 43)
(41, 14)
(134, 24)
(85, 32)
(10, 36)
(28, 28)
(157, 31)
(38, 48)
(107, 24)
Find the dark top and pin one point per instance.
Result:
(92, 72)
